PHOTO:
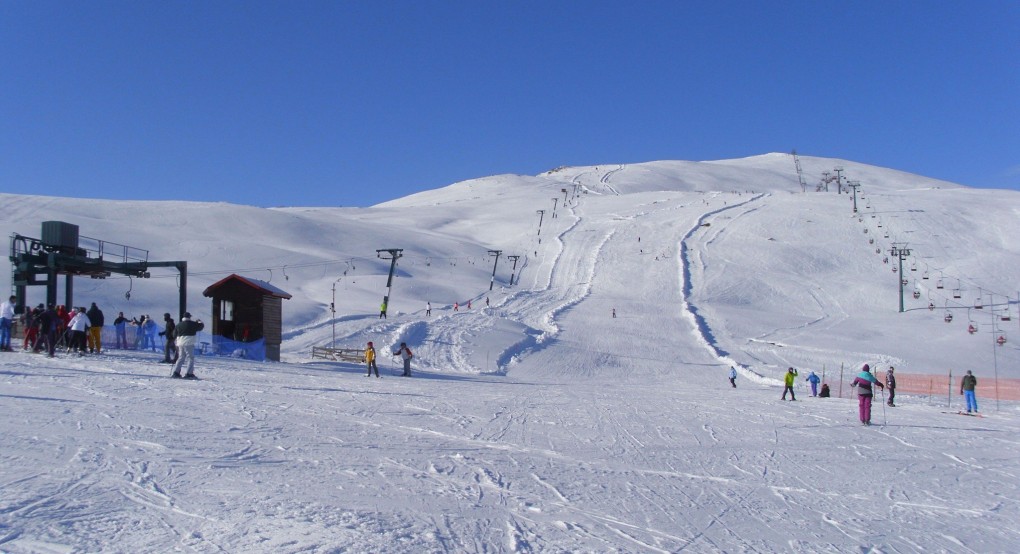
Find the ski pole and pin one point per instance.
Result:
(884, 420)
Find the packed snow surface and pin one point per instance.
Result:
(584, 407)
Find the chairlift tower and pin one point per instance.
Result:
(800, 173)
(900, 252)
(514, 259)
(839, 179)
(854, 185)
(395, 254)
(497, 254)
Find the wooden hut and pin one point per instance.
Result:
(246, 310)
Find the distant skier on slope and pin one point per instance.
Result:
(863, 383)
(967, 386)
(890, 384)
(370, 360)
(405, 354)
(733, 376)
(814, 380)
(791, 376)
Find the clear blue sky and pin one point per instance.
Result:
(352, 103)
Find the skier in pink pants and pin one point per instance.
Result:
(863, 382)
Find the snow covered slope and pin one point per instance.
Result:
(582, 407)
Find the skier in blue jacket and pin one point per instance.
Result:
(814, 380)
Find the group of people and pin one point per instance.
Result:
(404, 352)
(80, 330)
(864, 384)
(51, 327)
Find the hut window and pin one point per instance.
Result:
(226, 310)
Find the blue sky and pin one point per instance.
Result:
(315, 103)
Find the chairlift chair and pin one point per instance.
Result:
(1001, 340)
(978, 305)
(972, 328)
(931, 307)
(948, 318)
(938, 284)
(917, 294)
(956, 294)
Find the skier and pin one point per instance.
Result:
(406, 355)
(120, 325)
(791, 375)
(96, 330)
(456, 306)
(31, 329)
(428, 309)
(614, 313)
(48, 322)
(370, 360)
(150, 333)
(79, 326)
(890, 383)
(814, 380)
(6, 321)
(185, 337)
(863, 383)
(733, 376)
(967, 386)
(170, 350)
(382, 310)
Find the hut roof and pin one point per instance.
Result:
(262, 286)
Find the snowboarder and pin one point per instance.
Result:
(967, 385)
(382, 310)
(185, 337)
(405, 354)
(370, 360)
(863, 383)
(428, 309)
(733, 376)
(890, 384)
(814, 380)
(825, 391)
(791, 375)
